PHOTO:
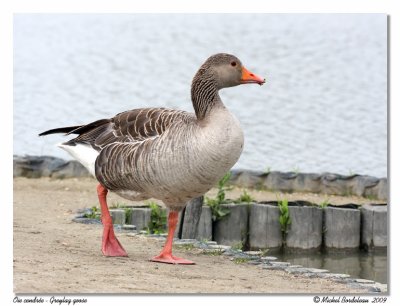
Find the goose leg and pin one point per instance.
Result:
(110, 244)
(166, 253)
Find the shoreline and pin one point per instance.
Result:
(274, 181)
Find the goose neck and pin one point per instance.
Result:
(204, 94)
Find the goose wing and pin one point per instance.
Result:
(130, 126)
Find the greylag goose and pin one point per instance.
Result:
(166, 154)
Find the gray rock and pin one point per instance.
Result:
(44, 166)
(342, 228)
(248, 178)
(336, 184)
(232, 229)
(269, 258)
(280, 181)
(204, 228)
(363, 182)
(70, 169)
(85, 220)
(128, 227)
(374, 226)
(305, 230)
(35, 166)
(269, 267)
(191, 218)
(118, 216)
(307, 182)
(140, 217)
(280, 263)
(364, 281)
(264, 227)
(382, 192)
(219, 247)
(253, 253)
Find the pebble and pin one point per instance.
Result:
(280, 263)
(219, 247)
(128, 227)
(268, 267)
(254, 253)
(269, 258)
(364, 281)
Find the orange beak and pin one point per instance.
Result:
(249, 77)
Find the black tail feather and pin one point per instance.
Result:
(64, 130)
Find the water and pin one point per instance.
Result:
(323, 107)
(371, 266)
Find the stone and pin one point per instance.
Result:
(70, 169)
(118, 216)
(362, 183)
(383, 192)
(140, 217)
(204, 228)
(305, 229)
(280, 263)
(128, 227)
(35, 166)
(307, 182)
(374, 226)
(191, 218)
(336, 184)
(280, 181)
(232, 229)
(219, 247)
(44, 166)
(342, 228)
(249, 179)
(364, 281)
(268, 267)
(264, 227)
(269, 258)
(85, 220)
(253, 253)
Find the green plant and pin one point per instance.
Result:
(217, 211)
(158, 219)
(215, 252)
(128, 214)
(267, 170)
(245, 197)
(238, 246)
(240, 260)
(324, 203)
(284, 217)
(94, 213)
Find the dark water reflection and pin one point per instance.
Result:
(358, 264)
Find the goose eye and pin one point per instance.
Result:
(233, 64)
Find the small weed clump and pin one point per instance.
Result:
(245, 197)
(158, 219)
(241, 260)
(94, 213)
(284, 218)
(215, 204)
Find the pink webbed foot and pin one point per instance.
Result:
(170, 259)
(111, 246)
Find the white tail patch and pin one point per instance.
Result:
(84, 154)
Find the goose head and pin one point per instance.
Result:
(228, 71)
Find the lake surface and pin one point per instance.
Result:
(363, 265)
(323, 108)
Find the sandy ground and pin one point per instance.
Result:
(52, 254)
